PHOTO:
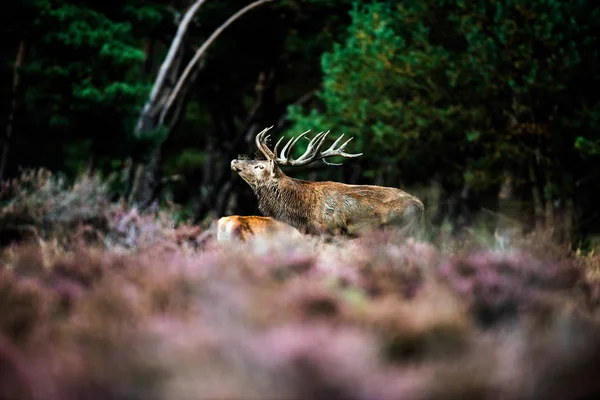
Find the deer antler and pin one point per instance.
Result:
(260, 143)
(312, 152)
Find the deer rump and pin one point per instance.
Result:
(357, 209)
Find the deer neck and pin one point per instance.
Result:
(287, 200)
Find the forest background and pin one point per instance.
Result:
(488, 111)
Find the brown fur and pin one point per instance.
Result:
(245, 227)
(327, 207)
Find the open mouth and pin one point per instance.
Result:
(236, 168)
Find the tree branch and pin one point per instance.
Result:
(201, 52)
(180, 106)
(167, 66)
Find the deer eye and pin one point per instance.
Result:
(260, 166)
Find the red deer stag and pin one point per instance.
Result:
(242, 228)
(323, 207)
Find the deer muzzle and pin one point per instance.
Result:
(235, 166)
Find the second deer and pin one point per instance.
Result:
(242, 228)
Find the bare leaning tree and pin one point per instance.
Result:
(168, 98)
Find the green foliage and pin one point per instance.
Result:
(190, 159)
(83, 77)
(586, 146)
(430, 86)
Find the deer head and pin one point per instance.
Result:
(256, 172)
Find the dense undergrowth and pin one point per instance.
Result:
(100, 302)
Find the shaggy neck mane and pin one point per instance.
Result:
(285, 199)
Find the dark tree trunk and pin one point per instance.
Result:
(218, 185)
(13, 107)
(536, 198)
(149, 53)
(449, 202)
(488, 207)
(564, 214)
(148, 181)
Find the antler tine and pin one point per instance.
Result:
(336, 143)
(282, 154)
(287, 150)
(262, 147)
(312, 152)
(331, 149)
(338, 152)
(276, 146)
(341, 151)
(312, 149)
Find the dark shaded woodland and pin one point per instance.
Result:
(481, 109)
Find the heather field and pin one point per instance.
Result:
(98, 301)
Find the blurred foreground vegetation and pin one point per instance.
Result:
(101, 301)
